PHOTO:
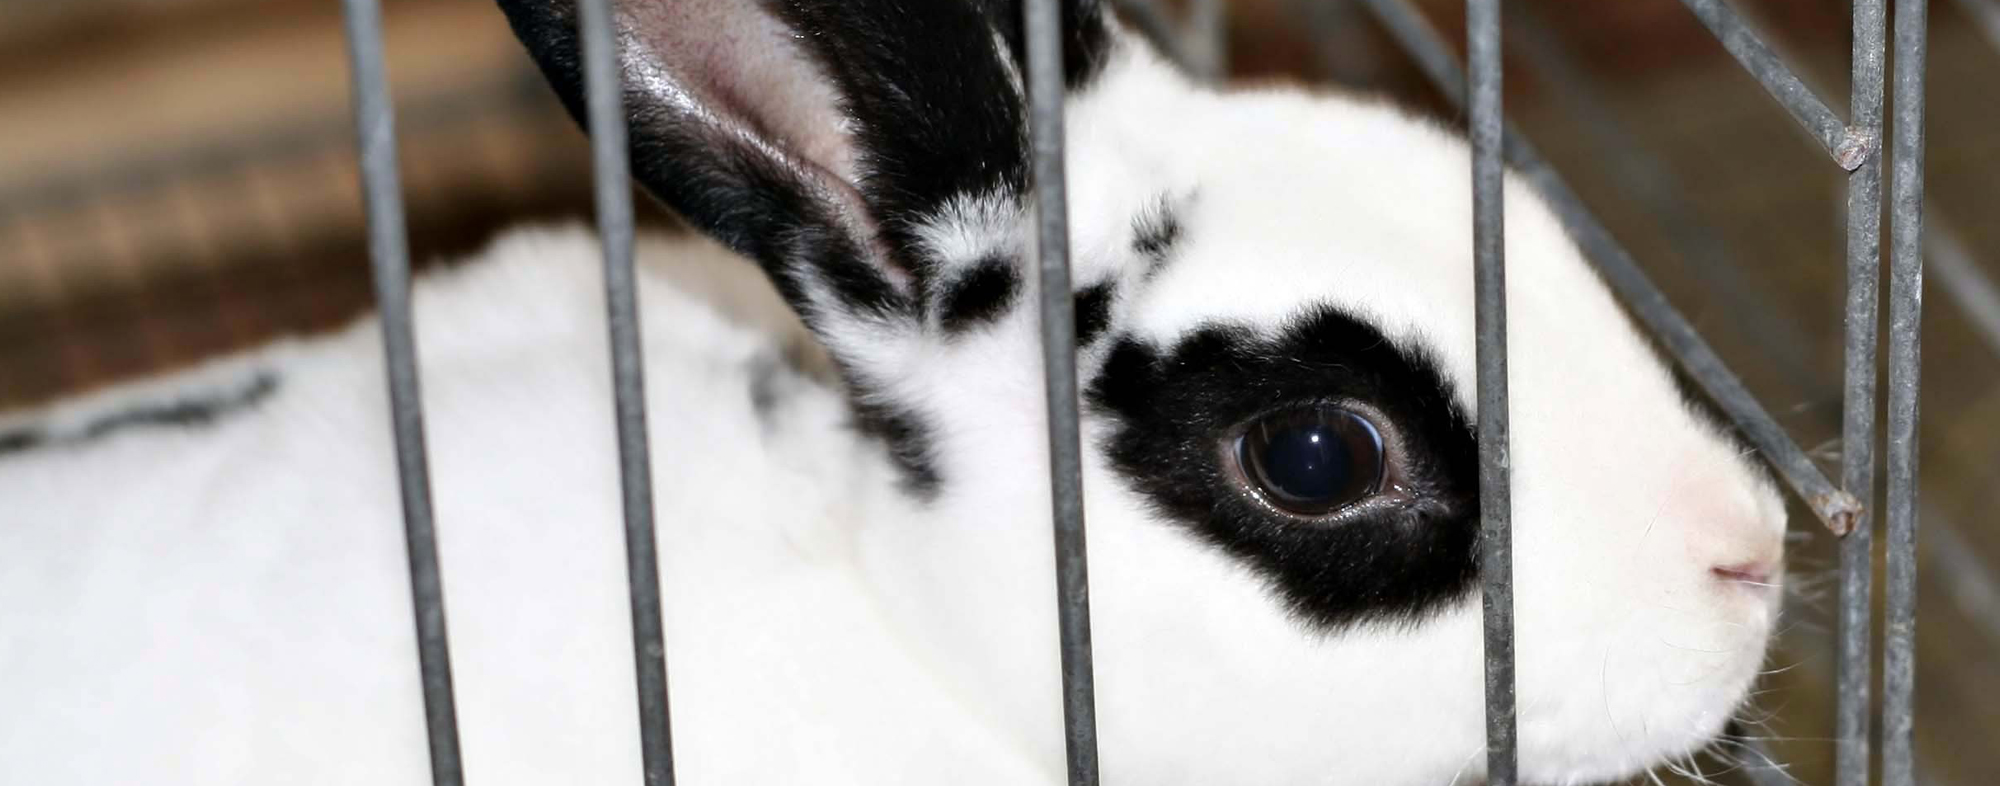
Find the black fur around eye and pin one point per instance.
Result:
(1311, 461)
(1173, 415)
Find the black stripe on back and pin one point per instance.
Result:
(191, 412)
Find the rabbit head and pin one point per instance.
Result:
(1274, 302)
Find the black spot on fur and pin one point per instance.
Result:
(764, 391)
(1155, 232)
(185, 413)
(981, 295)
(192, 412)
(1173, 411)
(933, 113)
(908, 438)
(1093, 312)
(21, 441)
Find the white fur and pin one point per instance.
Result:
(229, 604)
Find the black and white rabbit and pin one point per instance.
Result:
(202, 577)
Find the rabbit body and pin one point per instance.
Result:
(1275, 345)
(229, 603)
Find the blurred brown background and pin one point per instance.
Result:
(177, 180)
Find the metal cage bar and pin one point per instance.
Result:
(1496, 561)
(1208, 26)
(1642, 174)
(1971, 582)
(611, 173)
(1906, 277)
(1043, 26)
(1853, 147)
(1742, 42)
(1852, 666)
(389, 254)
(1647, 303)
(1659, 190)
(1843, 512)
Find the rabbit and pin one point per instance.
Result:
(203, 578)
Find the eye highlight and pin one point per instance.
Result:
(1312, 460)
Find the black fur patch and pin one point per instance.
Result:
(190, 412)
(935, 109)
(1155, 232)
(935, 116)
(982, 294)
(22, 441)
(1174, 411)
(1093, 312)
(764, 382)
(908, 438)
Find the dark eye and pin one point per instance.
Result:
(1311, 461)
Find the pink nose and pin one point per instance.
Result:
(1746, 572)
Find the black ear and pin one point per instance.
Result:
(815, 135)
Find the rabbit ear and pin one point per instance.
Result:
(815, 135)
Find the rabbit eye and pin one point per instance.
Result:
(1311, 461)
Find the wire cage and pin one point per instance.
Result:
(1877, 144)
(1855, 145)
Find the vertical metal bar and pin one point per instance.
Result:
(1482, 33)
(1906, 277)
(635, 474)
(1644, 299)
(1853, 667)
(1045, 95)
(388, 251)
(1943, 554)
(1208, 25)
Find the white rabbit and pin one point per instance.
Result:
(202, 578)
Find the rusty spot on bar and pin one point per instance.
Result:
(1857, 145)
(1838, 509)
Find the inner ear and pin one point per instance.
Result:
(743, 66)
(819, 137)
(933, 100)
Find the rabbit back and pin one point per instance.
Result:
(228, 600)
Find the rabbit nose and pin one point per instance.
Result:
(1757, 572)
(1743, 552)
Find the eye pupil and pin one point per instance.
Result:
(1312, 461)
(1307, 462)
